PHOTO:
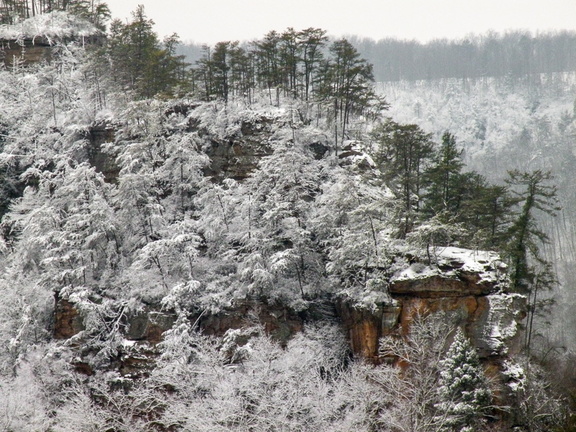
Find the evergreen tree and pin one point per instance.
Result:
(312, 41)
(225, 70)
(346, 87)
(525, 235)
(267, 53)
(221, 68)
(242, 72)
(485, 211)
(290, 54)
(139, 62)
(530, 272)
(443, 180)
(465, 198)
(204, 75)
(402, 155)
(463, 389)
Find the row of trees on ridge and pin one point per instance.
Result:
(95, 11)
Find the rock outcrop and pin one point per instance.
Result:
(68, 321)
(97, 136)
(467, 286)
(238, 156)
(24, 52)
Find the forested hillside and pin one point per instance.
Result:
(514, 54)
(260, 241)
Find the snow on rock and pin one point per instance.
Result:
(501, 327)
(515, 375)
(453, 271)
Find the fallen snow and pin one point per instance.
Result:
(450, 261)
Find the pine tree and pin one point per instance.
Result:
(139, 62)
(524, 234)
(346, 87)
(486, 211)
(482, 210)
(221, 68)
(312, 41)
(530, 271)
(267, 57)
(443, 179)
(290, 54)
(403, 154)
(463, 389)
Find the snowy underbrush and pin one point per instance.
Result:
(53, 26)
(245, 380)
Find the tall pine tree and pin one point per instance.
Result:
(533, 194)
(403, 154)
(443, 179)
(530, 271)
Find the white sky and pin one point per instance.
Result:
(211, 21)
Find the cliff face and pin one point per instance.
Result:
(24, 52)
(238, 155)
(97, 136)
(467, 289)
(31, 40)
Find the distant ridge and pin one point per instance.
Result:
(515, 53)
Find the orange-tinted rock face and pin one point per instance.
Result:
(469, 313)
(366, 327)
(365, 338)
(491, 320)
(463, 310)
(279, 322)
(440, 286)
(67, 320)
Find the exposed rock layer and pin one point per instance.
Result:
(25, 52)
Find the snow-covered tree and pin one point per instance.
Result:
(281, 195)
(464, 394)
(65, 229)
(353, 222)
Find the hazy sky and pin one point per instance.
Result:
(211, 21)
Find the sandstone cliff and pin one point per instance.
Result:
(467, 286)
